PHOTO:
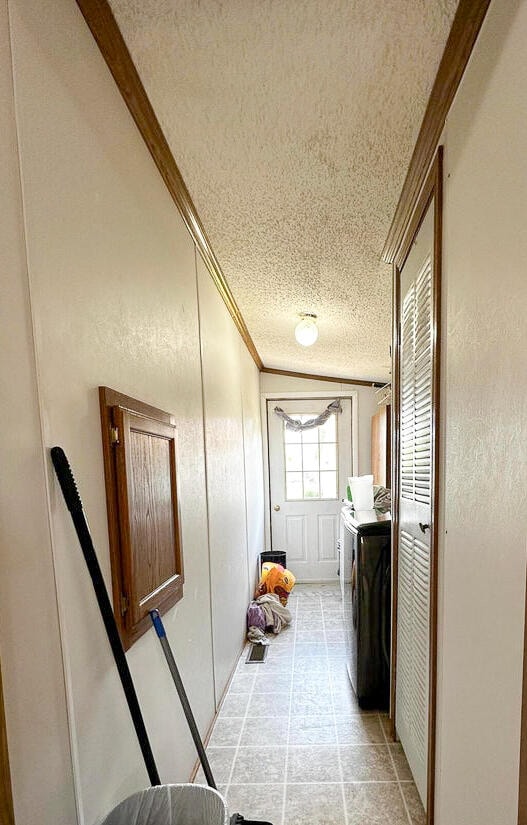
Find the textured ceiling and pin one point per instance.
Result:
(293, 123)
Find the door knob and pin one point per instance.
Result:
(276, 507)
(424, 527)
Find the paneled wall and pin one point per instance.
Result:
(482, 550)
(102, 289)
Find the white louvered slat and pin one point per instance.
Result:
(413, 644)
(413, 606)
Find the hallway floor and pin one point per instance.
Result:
(290, 744)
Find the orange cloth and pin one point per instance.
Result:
(275, 579)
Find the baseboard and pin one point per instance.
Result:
(210, 728)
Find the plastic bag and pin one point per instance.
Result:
(274, 579)
(171, 805)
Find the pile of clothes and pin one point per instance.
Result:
(268, 610)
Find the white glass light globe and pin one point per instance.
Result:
(306, 332)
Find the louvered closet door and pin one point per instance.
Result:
(415, 503)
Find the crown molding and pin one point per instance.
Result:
(312, 377)
(463, 35)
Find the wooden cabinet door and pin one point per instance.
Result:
(151, 555)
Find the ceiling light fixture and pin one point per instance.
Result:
(306, 332)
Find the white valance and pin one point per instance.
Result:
(297, 426)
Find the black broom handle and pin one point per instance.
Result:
(74, 504)
(183, 698)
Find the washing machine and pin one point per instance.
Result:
(365, 562)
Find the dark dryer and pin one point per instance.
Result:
(366, 588)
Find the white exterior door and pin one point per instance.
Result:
(308, 474)
(415, 503)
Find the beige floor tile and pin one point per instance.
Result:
(366, 763)
(315, 682)
(313, 763)
(262, 802)
(235, 704)
(375, 804)
(360, 729)
(402, 767)
(265, 731)
(312, 730)
(269, 704)
(413, 801)
(259, 765)
(220, 760)
(226, 732)
(272, 682)
(314, 805)
(242, 682)
(310, 703)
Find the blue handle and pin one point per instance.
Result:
(158, 624)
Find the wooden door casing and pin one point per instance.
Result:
(7, 816)
(431, 194)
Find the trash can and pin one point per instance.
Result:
(278, 556)
(171, 805)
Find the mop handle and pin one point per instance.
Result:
(187, 710)
(74, 504)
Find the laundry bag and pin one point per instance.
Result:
(171, 805)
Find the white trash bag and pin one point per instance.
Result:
(171, 805)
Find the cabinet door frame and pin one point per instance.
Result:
(117, 410)
(432, 193)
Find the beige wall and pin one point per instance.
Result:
(226, 483)
(484, 424)
(111, 294)
(30, 648)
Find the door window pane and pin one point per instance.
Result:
(310, 436)
(328, 485)
(311, 461)
(328, 431)
(291, 436)
(328, 456)
(294, 489)
(311, 485)
(293, 457)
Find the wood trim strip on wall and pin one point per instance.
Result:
(7, 816)
(312, 377)
(432, 191)
(104, 28)
(522, 790)
(463, 34)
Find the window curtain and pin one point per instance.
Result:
(298, 426)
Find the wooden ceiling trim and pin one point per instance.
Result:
(104, 28)
(334, 379)
(463, 34)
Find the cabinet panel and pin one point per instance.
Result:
(381, 447)
(140, 451)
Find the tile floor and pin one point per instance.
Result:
(291, 745)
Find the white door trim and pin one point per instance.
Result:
(288, 396)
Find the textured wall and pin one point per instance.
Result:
(483, 548)
(112, 289)
(224, 433)
(29, 631)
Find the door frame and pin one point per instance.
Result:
(7, 815)
(323, 395)
(432, 192)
